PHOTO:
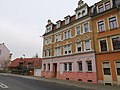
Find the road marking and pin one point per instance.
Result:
(3, 85)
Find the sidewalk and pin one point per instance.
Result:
(72, 83)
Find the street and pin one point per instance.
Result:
(8, 82)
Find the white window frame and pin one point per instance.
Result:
(111, 40)
(84, 27)
(57, 52)
(67, 49)
(67, 20)
(100, 46)
(67, 34)
(85, 46)
(48, 67)
(77, 47)
(109, 67)
(58, 37)
(98, 27)
(76, 30)
(78, 66)
(116, 21)
(116, 67)
(91, 65)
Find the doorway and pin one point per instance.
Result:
(55, 69)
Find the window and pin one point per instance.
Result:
(79, 15)
(107, 5)
(49, 52)
(87, 45)
(58, 38)
(70, 66)
(49, 40)
(67, 20)
(78, 30)
(116, 43)
(48, 29)
(79, 47)
(44, 53)
(45, 42)
(118, 68)
(57, 51)
(86, 27)
(67, 34)
(58, 24)
(112, 22)
(65, 66)
(48, 66)
(44, 66)
(103, 45)
(101, 8)
(106, 68)
(101, 26)
(80, 66)
(89, 65)
(67, 49)
(83, 13)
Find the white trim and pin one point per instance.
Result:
(109, 23)
(111, 40)
(76, 30)
(106, 43)
(116, 70)
(103, 22)
(103, 71)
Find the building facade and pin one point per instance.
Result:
(5, 57)
(68, 49)
(106, 21)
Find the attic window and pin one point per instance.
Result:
(79, 15)
(67, 20)
(58, 24)
(83, 13)
(48, 29)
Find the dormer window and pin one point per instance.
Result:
(79, 15)
(81, 10)
(49, 28)
(100, 8)
(107, 5)
(67, 19)
(58, 24)
(83, 13)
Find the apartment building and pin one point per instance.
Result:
(68, 49)
(106, 24)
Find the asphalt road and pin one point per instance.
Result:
(8, 82)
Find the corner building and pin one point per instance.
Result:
(106, 21)
(68, 49)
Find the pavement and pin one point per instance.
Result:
(72, 83)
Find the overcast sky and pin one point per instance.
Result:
(23, 21)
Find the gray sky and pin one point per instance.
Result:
(23, 21)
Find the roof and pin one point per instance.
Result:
(37, 62)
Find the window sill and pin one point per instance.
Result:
(80, 71)
(89, 71)
(113, 28)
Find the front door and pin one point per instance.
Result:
(55, 69)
